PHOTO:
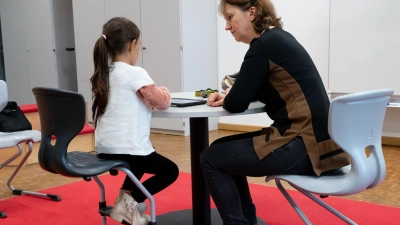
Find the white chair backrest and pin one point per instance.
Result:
(3, 94)
(355, 123)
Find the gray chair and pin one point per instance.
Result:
(12, 139)
(355, 123)
(62, 114)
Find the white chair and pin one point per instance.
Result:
(355, 123)
(12, 139)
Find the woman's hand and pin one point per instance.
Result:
(227, 91)
(215, 99)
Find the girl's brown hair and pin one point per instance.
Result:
(117, 33)
(265, 12)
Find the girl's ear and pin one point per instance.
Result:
(132, 45)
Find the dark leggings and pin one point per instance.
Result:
(164, 170)
(228, 161)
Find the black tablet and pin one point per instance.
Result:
(184, 102)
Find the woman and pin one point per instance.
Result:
(277, 71)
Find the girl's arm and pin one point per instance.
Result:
(157, 97)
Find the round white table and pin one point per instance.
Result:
(199, 140)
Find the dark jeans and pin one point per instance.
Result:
(228, 161)
(165, 172)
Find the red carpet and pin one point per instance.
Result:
(79, 205)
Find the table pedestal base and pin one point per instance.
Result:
(184, 217)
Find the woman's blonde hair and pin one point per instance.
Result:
(265, 12)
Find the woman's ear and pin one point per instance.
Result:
(252, 12)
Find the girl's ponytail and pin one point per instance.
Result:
(100, 79)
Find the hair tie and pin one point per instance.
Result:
(104, 36)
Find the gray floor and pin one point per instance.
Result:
(184, 217)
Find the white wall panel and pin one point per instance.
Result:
(365, 45)
(88, 21)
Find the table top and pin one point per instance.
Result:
(202, 110)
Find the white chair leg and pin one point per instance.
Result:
(12, 158)
(326, 206)
(292, 202)
(19, 191)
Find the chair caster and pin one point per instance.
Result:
(52, 197)
(55, 198)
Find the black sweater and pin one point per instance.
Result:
(279, 72)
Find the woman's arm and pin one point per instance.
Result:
(157, 97)
(253, 71)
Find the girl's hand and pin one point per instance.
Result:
(215, 99)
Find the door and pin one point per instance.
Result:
(64, 41)
(129, 9)
(40, 45)
(13, 19)
(161, 51)
(2, 71)
(88, 21)
(161, 42)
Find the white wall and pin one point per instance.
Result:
(365, 51)
(365, 46)
(306, 20)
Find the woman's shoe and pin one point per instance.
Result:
(126, 209)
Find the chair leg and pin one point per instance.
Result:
(292, 202)
(3, 214)
(145, 192)
(12, 157)
(103, 208)
(326, 206)
(19, 191)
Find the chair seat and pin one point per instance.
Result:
(329, 183)
(8, 140)
(86, 164)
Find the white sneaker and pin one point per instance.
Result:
(126, 209)
(141, 207)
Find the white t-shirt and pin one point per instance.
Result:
(125, 126)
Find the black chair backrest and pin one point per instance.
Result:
(63, 115)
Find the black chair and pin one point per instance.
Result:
(62, 114)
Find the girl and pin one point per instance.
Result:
(123, 98)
